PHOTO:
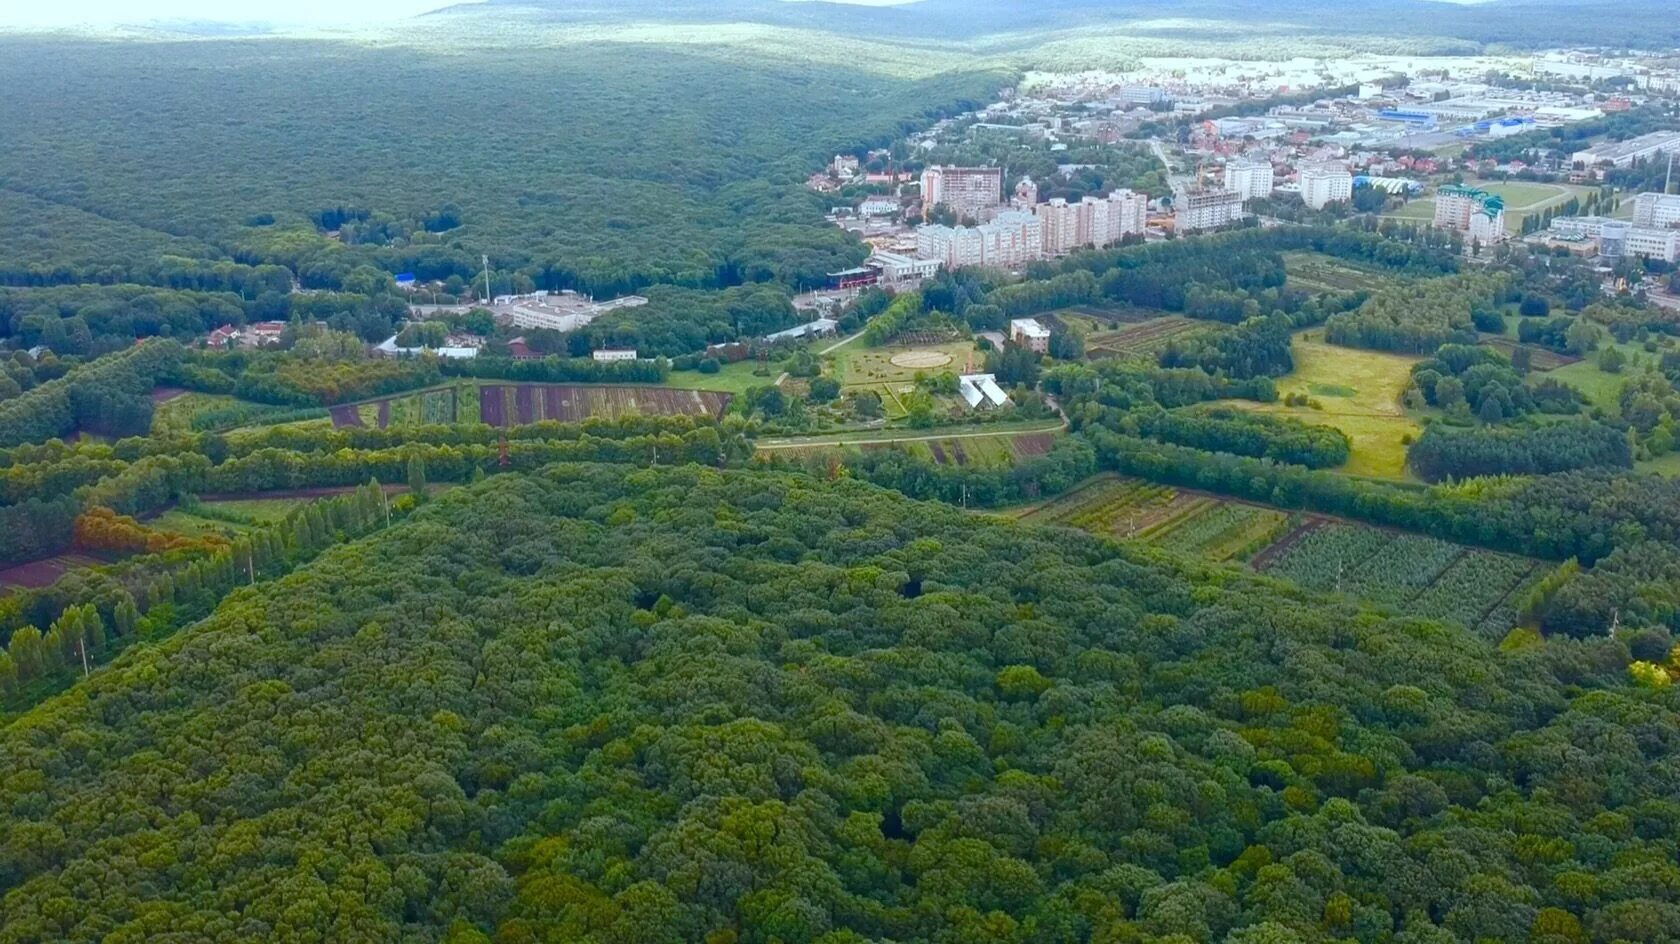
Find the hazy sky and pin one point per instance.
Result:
(104, 12)
(71, 12)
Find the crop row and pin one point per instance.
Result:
(1225, 531)
(1472, 587)
(1401, 569)
(1321, 560)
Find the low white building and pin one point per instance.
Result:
(821, 327)
(388, 348)
(896, 268)
(614, 354)
(981, 390)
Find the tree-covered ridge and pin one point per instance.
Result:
(592, 165)
(596, 706)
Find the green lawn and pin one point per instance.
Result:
(1601, 389)
(1668, 465)
(179, 522)
(262, 509)
(1359, 392)
(734, 378)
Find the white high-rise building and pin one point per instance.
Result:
(972, 193)
(1325, 182)
(1197, 210)
(1479, 215)
(1660, 210)
(1252, 179)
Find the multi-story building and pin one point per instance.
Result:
(1650, 242)
(1324, 183)
(1251, 179)
(1013, 239)
(972, 193)
(1196, 210)
(1661, 210)
(1093, 221)
(1479, 215)
(1030, 334)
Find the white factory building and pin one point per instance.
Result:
(1617, 238)
(981, 390)
(1624, 153)
(1324, 183)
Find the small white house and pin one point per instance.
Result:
(614, 354)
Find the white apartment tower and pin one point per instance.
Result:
(1479, 215)
(972, 193)
(1324, 183)
(1252, 179)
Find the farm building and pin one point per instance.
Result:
(981, 391)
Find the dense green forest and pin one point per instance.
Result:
(684, 704)
(590, 165)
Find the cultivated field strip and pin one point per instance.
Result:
(1414, 574)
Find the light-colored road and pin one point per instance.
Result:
(922, 437)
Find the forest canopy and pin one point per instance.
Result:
(587, 705)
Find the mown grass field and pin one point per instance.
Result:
(1317, 272)
(1359, 393)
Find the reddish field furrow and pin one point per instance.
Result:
(492, 405)
(524, 405)
(347, 416)
(1033, 444)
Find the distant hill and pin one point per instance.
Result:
(1522, 23)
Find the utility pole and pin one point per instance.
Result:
(487, 279)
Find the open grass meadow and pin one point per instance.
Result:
(1317, 272)
(1358, 392)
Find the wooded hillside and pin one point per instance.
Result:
(597, 704)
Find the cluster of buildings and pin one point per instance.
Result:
(1015, 234)
(256, 334)
(1653, 233)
